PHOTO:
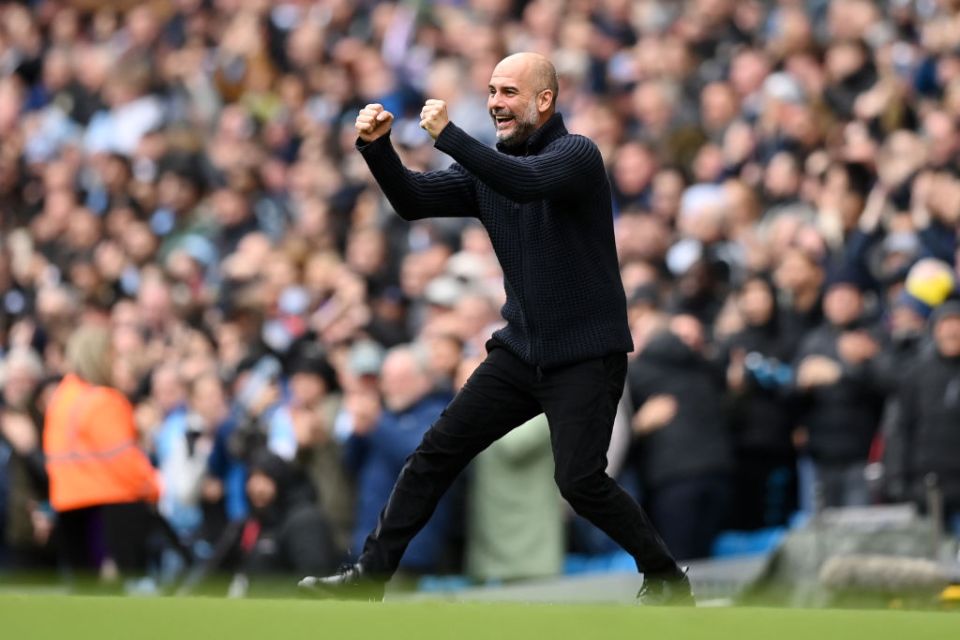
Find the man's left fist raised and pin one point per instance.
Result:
(433, 117)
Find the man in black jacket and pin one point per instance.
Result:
(927, 435)
(839, 393)
(685, 448)
(544, 198)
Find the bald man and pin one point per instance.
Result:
(543, 197)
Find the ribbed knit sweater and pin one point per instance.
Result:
(547, 207)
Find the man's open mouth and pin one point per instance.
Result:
(503, 120)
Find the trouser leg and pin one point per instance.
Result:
(79, 539)
(492, 402)
(126, 529)
(580, 401)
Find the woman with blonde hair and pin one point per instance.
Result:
(101, 483)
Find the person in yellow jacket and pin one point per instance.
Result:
(102, 485)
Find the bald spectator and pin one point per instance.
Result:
(410, 406)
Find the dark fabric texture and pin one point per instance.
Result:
(929, 424)
(762, 414)
(79, 539)
(841, 418)
(85, 537)
(765, 479)
(300, 543)
(547, 207)
(580, 402)
(377, 460)
(842, 484)
(126, 530)
(690, 512)
(795, 325)
(698, 440)
(765, 491)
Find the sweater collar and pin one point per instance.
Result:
(551, 130)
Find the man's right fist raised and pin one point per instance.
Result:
(373, 122)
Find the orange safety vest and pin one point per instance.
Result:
(90, 442)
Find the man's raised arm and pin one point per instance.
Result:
(414, 195)
(569, 168)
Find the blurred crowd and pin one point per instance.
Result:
(182, 175)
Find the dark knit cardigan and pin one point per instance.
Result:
(547, 207)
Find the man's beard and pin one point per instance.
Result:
(523, 125)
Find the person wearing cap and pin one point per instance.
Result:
(926, 439)
(364, 361)
(544, 198)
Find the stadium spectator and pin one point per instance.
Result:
(760, 377)
(311, 409)
(839, 394)
(182, 456)
(102, 486)
(686, 449)
(410, 405)
(28, 519)
(928, 410)
(513, 535)
(284, 533)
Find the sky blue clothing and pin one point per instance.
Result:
(281, 437)
(229, 470)
(377, 460)
(173, 424)
(185, 518)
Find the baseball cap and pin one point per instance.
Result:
(365, 358)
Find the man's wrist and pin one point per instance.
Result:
(363, 144)
(448, 130)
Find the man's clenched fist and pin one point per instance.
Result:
(433, 117)
(373, 122)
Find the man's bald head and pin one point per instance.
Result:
(536, 69)
(523, 95)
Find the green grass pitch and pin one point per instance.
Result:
(105, 618)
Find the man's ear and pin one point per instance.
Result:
(544, 100)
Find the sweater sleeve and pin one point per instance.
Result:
(564, 169)
(416, 195)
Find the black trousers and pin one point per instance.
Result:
(85, 537)
(691, 512)
(580, 401)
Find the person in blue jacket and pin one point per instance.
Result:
(410, 406)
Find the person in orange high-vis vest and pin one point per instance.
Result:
(102, 485)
